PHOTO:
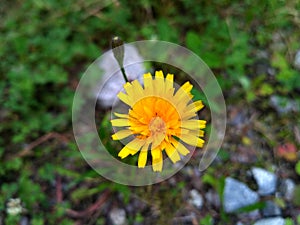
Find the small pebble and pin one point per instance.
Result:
(24, 221)
(265, 180)
(239, 223)
(297, 60)
(283, 105)
(118, 216)
(271, 209)
(213, 198)
(196, 198)
(237, 195)
(287, 188)
(271, 221)
(250, 216)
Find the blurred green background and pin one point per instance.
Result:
(45, 47)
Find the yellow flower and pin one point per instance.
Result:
(157, 119)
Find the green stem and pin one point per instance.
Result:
(117, 46)
(124, 74)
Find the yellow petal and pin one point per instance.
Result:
(180, 147)
(195, 106)
(157, 162)
(183, 95)
(138, 90)
(191, 110)
(159, 82)
(143, 156)
(124, 98)
(159, 75)
(125, 116)
(157, 139)
(169, 81)
(120, 122)
(121, 134)
(148, 84)
(199, 133)
(136, 144)
(124, 152)
(172, 153)
(193, 124)
(129, 90)
(184, 89)
(192, 140)
(131, 148)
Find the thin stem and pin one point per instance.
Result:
(124, 74)
(117, 46)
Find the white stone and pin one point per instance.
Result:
(237, 195)
(265, 180)
(271, 221)
(196, 198)
(297, 60)
(118, 216)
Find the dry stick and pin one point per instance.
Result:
(26, 151)
(59, 194)
(297, 134)
(82, 214)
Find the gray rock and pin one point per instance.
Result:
(270, 221)
(118, 216)
(239, 223)
(24, 221)
(196, 199)
(297, 60)
(265, 180)
(287, 188)
(213, 198)
(250, 216)
(284, 105)
(237, 195)
(271, 209)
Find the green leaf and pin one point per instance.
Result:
(289, 221)
(209, 179)
(207, 220)
(193, 42)
(84, 192)
(296, 199)
(37, 220)
(297, 168)
(249, 208)
(166, 31)
(223, 154)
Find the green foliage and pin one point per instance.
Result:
(297, 168)
(289, 221)
(287, 76)
(296, 199)
(45, 46)
(249, 208)
(12, 219)
(207, 220)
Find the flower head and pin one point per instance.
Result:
(158, 117)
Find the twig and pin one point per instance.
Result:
(85, 213)
(297, 134)
(27, 151)
(186, 219)
(59, 194)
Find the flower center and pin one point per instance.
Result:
(157, 126)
